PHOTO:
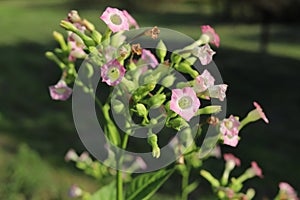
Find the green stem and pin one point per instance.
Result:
(119, 172)
(185, 183)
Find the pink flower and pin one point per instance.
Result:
(256, 169)
(76, 51)
(203, 82)
(131, 20)
(204, 53)
(184, 102)
(260, 112)
(71, 155)
(228, 157)
(287, 191)
(229, 129)
(209, 32)
(148, 58)
(141, 163)
(75, 191)
(60, 91)
(112, 72)
(115, 19)
(85, 157)
(218, 91)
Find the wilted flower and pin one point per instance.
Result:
(60, 91)
(112, 72)
(149, 59)
(115, 19)
(131, 20)
(153, 33)
(75, 191)
(184, 102)
(218, 91)
(203, 82)
(210, 36)
(204, 53)
(136, 48)
(229, 129)
(287, 192)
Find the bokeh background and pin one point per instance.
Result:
(259, 58)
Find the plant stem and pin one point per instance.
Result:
(185, 183)
(119, 176)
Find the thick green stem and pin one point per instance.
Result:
(185, 183)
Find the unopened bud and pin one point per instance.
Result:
(161, 50)
(168, 81)
(73, 16)
(141, 110)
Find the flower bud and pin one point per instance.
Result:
(51, 56)
(73, 16)
(96, 36)
(213, 181)
(161, 50)
(141, 110)
(70, 27)
(143, 91)
(75, 191)
(177, 123)
(186, 68)
(152, 140)
(117, 106)
(168, 81)
(89, 26)
(156, 101)
(71, 155)
(209, 110)
(175, 57)
(60, 39)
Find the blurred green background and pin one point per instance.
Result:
(259, 58)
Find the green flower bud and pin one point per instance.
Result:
(96, 36)
(60, 39)
(117, 106)
(209, 110)
(51, 56)
(186, 68)
(88, 25)
(141, 110)
(175, 57)
(143, 91)
(213, 181)
(70, 27)
(156, 101)
(161, 50)
(177, 123)
(191, 60)
(152, 140)
(130, 85)
(168, 81)
(250, 193)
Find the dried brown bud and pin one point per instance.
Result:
(213, 120)
(153, 33)
(136, 48)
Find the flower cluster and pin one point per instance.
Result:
(145, 80)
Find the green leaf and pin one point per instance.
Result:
(144, 186)
(106, 192)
